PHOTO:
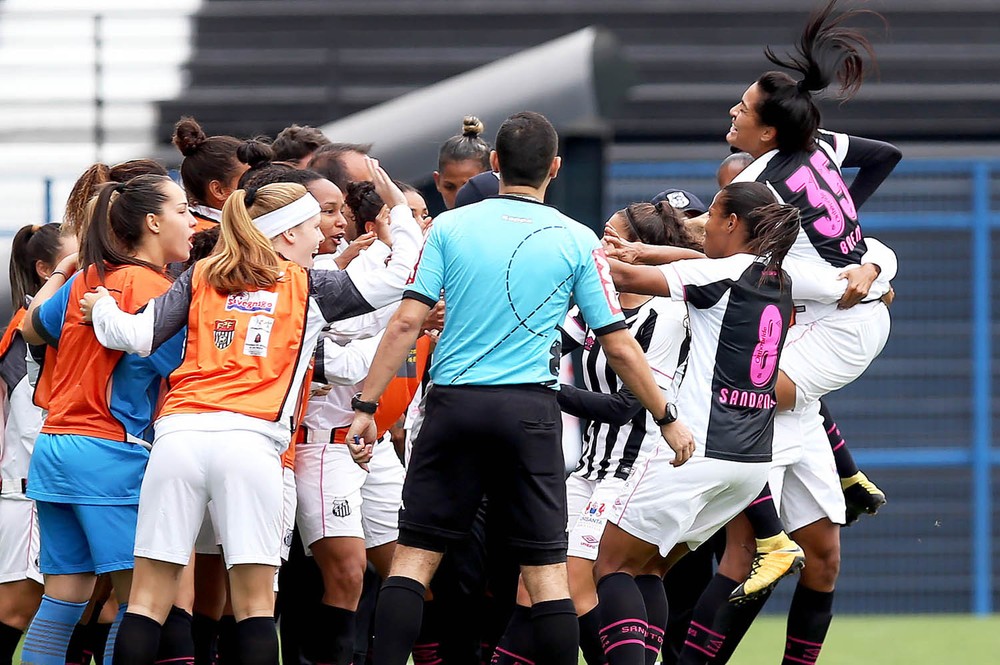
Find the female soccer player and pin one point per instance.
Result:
(461, 157)
(740, 305)
(91, 454)
(35, 253)
(253, 313)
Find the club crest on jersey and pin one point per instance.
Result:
(340, 508)
(250, 302)
(223, 333)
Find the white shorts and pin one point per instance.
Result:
(666, 505)
(240, 473)
(588, 504)
(18, 539)
(208, 541)
(290, 500)
(826, 355)
(337, 499)
(803, 479)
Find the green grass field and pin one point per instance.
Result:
(885, 640)
(946, 639)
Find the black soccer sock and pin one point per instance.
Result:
(809, 618)
(427, 648)
(257, 641)
(763, 515)
(590, 639)
(96, 641)
(204, 632)
(684, 583)
(397, 620)
(734, 621)
(226, 649)
(332, 638)
(623, 620)
(140, 639)
(846, 466)
(9, 638)
(517, 644)
(74, 652)
(176, 640)
(655, 598)
(557, 633)
(702, 641)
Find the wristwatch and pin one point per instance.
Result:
(370, 408)
(669, 416)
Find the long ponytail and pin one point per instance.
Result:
(826, 50)
(118, 223)
(31, 244)
(244, 258)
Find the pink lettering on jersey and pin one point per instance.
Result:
(746, 399)
(607, 283)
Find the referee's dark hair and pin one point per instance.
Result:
(825, 51)
(526, 145)
(771, 226)
(297, 142)
(328, 161)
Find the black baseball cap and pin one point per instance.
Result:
(682, 200)
(477, 188)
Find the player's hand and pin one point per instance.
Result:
(680, 440)
(89, 299)
(382, 226)
(362, 242)
(889, 297)
(616, 247)
(435, 319)
(69, 265)
(391, 195)
(362, 432)
(859, 281)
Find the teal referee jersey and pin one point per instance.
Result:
(508, 267)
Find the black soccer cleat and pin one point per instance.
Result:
(862, 497)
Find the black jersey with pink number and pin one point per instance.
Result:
(739, 317)
(811, 181)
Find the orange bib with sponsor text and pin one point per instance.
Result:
(242, 349)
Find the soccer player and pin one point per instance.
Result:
(35, 253)
(460, 158)
(91, 455)
(492, 425)
(740, 306)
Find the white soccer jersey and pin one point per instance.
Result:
(738, 327)
(660, 327)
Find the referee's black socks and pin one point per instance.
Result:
(809, 618)
(557, 632)
(397, 619)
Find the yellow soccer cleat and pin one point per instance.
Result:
(776, 557)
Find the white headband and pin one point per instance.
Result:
(287, 216)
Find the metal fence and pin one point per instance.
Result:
(920, 421)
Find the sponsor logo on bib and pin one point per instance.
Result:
(250, 302)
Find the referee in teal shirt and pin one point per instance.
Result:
(508, 267)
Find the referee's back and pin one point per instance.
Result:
(508, 267)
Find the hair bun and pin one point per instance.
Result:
(188, 136)
(256, 152)
(472, 126)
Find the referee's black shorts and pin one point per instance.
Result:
(501, 441)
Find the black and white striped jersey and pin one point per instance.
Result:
(611, 445)
(738, 324)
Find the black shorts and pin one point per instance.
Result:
(504, 442)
